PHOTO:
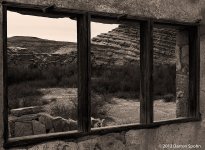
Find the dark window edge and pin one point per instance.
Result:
(25, 141)
(63, 12)
(72, 135)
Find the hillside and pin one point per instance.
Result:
(117, 47)
(32, 45)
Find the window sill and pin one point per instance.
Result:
(36, 139)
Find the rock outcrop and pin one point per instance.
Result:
(122, 45)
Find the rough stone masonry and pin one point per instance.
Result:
(192, 133)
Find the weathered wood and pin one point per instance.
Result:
(5, 86)
(35, 139)
(84, 104)
(194, 71)
(48, 8)
(62, 12)
(84, 108)
(146, 67)
(42, 10)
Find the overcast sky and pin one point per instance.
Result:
(63, 29)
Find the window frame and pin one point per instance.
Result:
(84, 19)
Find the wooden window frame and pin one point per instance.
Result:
(83, 43)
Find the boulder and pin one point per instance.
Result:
(47, 120)
(38, 128)
(25, 118)
(27, 110)
(60, 124)
(23, 129)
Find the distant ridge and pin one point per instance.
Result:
(117, 47)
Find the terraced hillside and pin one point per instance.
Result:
(117, 47)
(122, 45)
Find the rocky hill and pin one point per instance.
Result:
(122, 45)
(117, 47)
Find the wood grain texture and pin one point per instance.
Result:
(5, 70)
(146, 67)
(84, 103)
(194, 73)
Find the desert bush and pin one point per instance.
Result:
(20, 74)
(69, 109)
(17, 96)
(124, 81)
(65, 110)
(65, 75)
(116, 79)
(164, 80)
(97, 105)
(119, 81)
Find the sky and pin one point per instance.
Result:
(61, 29)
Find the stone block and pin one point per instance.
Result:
(134, 138)
(38, 128)
(109, 142)
(61, 124)
(25, 118)
(133, 147)
(47, 120)
(27, 110)
(57, 145)
(89, 144)
(23, 129)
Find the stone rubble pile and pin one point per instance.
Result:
(33, 120)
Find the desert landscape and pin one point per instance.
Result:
(42, 79)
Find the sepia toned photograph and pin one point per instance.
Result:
(102, 75)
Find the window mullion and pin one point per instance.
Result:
(146, 67)
(84, 106)
(5, 87)
(194, 66)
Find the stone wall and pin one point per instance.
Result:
(144, 139)
(182, 76)
(33, 121)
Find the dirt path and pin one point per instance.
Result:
(128, 111)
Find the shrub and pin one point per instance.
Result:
(116, 79)
(68, 110)
(63, 76)
(97, 105)
(65, 110)
(23, 95)
(164, 80)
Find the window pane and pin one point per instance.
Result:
(115, 79)
(42, 75)
(171, 72)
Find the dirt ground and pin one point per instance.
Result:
(120, 111)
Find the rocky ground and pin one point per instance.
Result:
(120, 111)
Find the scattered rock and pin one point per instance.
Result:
(23, 129)
(38, 128)
(25, 118)
(46, 119)
(60, 125)
(27, 110)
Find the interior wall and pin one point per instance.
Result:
(149, 139)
